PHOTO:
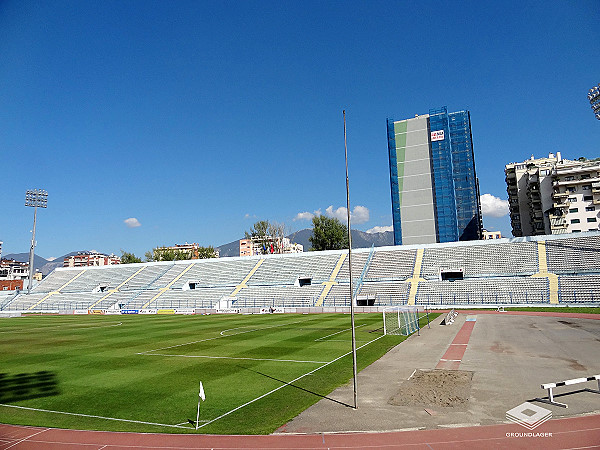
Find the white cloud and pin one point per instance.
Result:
(304, 216)
(493, 206)
(132, 222)
(360, 214)
(380, 229)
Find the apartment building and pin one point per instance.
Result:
(553, 195)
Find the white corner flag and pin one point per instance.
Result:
(202, 396)
(201, 393)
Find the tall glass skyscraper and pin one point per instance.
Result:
(435, 193)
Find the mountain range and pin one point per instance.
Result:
(360, 239)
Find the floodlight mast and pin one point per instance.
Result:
(354, 371)
(35, 198)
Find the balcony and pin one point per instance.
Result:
(561, 194)
(557, 225)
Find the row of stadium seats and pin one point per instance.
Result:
(494, 272)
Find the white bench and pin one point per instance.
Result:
(550, 386)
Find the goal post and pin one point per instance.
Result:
(400, 320)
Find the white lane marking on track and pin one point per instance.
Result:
(28, 437)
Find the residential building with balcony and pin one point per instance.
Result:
(85, 259)
(542, 193)
(576, 198)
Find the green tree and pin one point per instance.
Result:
(167, 254)
(328, 234)
(207, 252)
(129, 258)
(267, 235)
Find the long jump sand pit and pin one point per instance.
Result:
(437, 388)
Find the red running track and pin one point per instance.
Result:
(566, 433)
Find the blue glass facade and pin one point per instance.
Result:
(468, 211)
(441, 161)
(453, 189)
(394, 182)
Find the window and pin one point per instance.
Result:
(572, 189)
(587, 187)
(574, 210)
(590, 208)
(591, 219)
(585, 177)
(588, 198)
(575, 231)
(574, 220)
(569, 178)
(572, 199)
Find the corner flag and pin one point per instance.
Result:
(201, 393)
(203, 397)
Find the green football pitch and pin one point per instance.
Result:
(142, 373)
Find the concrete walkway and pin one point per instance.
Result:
(510, 356)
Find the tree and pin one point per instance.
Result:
(268, 236)
(328, 234)
(129, 258)
(167, 254)
(207, 252)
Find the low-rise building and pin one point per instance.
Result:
(12, 274)
(268, 245)
(85, 259)
(491, 234)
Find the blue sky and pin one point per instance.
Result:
(198, 118)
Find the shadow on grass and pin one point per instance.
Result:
(298, 387)
(25, 386)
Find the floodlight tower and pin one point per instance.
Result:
(35, 198)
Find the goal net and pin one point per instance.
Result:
(400, 320)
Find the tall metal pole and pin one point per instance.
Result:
(350, 268)
(35, 198)
(31, 251)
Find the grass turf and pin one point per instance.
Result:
(145, 370)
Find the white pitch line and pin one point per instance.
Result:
(73, 327)
(213, 338)
(233, 357)
(90, 415)
(338, 332)
(286, 384)
(257, 329)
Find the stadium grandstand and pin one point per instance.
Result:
(540, 270)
